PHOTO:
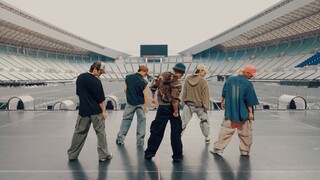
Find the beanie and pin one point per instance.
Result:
(179, 67)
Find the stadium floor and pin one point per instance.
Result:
(33, 145)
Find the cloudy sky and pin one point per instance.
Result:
(124, 25)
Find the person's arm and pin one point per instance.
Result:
(184, 93)
(222, 103)
(251, 100)
(175, 105)
(153, 100)
(205, 98)
(146, 99)
(125, 88)
(104, 114)
(251, 118)
(153, 88)
(175, 94)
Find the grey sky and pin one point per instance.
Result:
(125, 24)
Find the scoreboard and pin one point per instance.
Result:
(154, 50)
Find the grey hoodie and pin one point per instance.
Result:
(196, 92)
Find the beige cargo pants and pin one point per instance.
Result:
(227, 130)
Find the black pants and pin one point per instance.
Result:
(158, 126)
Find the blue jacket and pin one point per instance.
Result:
(239, 94)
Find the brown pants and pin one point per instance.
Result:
(226, 132)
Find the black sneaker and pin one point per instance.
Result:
(148, 156)
(178, 159)
(75, 159)
(140, 144)
(119, 143)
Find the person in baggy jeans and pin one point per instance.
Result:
(195, 99)
(137, 101)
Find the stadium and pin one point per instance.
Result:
(39, 63)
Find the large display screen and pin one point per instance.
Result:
(153, 50)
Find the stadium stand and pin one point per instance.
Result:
(281, 48)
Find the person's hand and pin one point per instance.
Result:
(251, 118)
(223, 105)
(153, 102)
(104, 115)
(146, 109)
(176, 114)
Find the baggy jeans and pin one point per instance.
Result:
(202, 115)
(127, 120)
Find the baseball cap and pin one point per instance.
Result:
(250, 69)
(103, 67)
(201, 67)
(98, 64)
(144, 68)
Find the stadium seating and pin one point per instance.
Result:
(273, 61)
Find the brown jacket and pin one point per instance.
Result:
(168, 86)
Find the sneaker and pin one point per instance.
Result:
(178, 159)
(140, 144)
(244, 153)
(106, 158)
(148, 156)
(207, 140)
(119, 143)
(216, 151)
(75, 159)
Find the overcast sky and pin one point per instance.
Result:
(124, 25)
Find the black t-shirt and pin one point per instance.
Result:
(135, 86)
(91, 94)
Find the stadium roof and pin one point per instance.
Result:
(283, 21)
(22, 29)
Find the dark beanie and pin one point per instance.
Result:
(180, 67)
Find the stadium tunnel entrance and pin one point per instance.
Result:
(64, 105)
(291, 102)
(215, 104)
(21, 103)
(112, 102)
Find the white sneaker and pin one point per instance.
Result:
(106, 158)
(244, 153)
(216, 151)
